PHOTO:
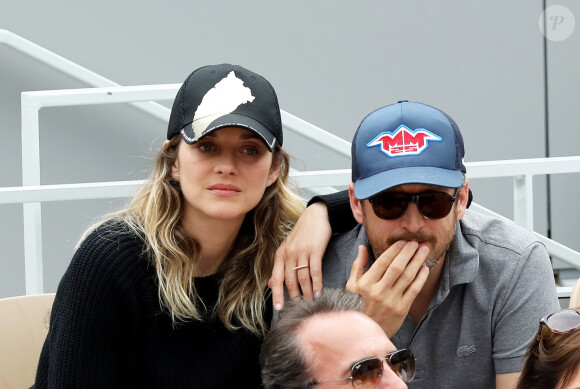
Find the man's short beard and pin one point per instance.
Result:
(431, 262)
(439, 248)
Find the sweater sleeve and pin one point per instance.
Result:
(339, 212)
(95, 317)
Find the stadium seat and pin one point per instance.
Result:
(24, 322)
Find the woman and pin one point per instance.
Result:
(553, 358)
(171, 292)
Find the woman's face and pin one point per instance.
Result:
(224, 175)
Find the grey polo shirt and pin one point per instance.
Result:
(497, 282)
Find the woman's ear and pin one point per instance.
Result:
(274, 171)
(175, 171)
(175, 166)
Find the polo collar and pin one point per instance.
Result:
(460, 267)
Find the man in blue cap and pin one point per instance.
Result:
(462, 290)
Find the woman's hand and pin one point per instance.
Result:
(298, 260)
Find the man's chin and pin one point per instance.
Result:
(431, 263)
(433, 257)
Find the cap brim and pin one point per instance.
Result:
(370, 186)
(230, 120)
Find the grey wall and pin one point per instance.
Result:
(564, 128)
(331, 62)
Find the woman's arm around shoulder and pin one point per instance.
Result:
(298, 261)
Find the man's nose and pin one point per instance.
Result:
(390, 379)
(412, 219)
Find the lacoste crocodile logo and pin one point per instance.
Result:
(464, 351)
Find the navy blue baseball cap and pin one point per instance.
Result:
(406, 143)
(225, 95)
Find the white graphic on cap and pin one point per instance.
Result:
(222, 99)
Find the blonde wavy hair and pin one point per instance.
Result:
(155, 214)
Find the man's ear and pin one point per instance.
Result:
(462, 200)
(355, 205)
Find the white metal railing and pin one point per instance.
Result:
(150, 107)
(31, 194)
(72, 69)
(33, 101)
(34, 193)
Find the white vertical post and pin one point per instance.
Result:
(524, 201)
(31, 211)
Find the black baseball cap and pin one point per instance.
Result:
(225, 95)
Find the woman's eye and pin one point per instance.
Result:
(251, 150)
(206, 147)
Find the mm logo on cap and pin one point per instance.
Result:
(404, 141)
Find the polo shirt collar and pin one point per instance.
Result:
(460, 267)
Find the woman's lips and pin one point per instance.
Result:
(224, 190)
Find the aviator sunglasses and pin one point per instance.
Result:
(368, 372)
(561, 322)
(393, 205)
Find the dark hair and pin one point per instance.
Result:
(283, 362)
(552, 360)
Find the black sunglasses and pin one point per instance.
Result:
(368, 372)
(393, 205)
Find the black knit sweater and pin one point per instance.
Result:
(107, 329)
